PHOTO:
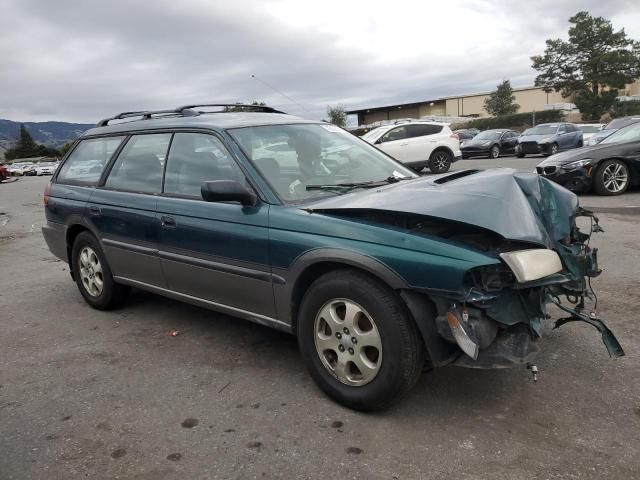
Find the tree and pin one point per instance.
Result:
(24, 148)
(337, 115)
(65, 148)
(591, 66)
(501, 102)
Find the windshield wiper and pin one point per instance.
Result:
(348, 186)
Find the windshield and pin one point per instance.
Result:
(297, 159)
(590, 128)
(629, 133)
(621, 122)
(372, 135)
(488, 135)
(542, 130)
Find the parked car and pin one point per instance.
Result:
(589, 130)
(377, 271)
(549, 139)
(46, 168)
(4, 173)
(465, 134)
(608, 168)
(18, 169)
(30, 170)
(418, 144)
(490, 143)
(611, 127)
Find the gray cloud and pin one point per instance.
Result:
(83, 60)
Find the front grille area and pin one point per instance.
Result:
(547, 170)
(530, 147)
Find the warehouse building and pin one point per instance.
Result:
(471, 105)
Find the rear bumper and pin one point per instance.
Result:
(55, 234)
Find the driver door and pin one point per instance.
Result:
(396, 143)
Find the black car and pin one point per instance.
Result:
(608, 168)
(466, 133)
(490, 143)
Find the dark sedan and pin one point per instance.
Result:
(608, 168)
(490, 143)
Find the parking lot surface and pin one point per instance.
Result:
(89, 394)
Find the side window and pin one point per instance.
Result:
(562, 129)
(138, 168)
(423, 130)
(194, 159)
(87, 161)
(398, 133)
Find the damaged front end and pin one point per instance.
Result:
(498, 319)
(490, 314)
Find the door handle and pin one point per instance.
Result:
(94, 211)
(168, 222)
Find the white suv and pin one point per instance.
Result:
(418, 144)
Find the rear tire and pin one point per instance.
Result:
(440, 161)
(335, 311)
(93, 275)
(612, 178)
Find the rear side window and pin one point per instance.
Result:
(423, 130)
(87, 161)
(196, 158)
(138, 168)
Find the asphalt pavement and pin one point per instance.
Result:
(89, 394)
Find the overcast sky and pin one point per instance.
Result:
(83, 60)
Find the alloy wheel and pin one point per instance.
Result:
(348, 342)
(440, 160)
(91, 271)
(495, 152)
(615, 177)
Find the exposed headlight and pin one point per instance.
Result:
(577, 164)
(529, 265)
(545, 140)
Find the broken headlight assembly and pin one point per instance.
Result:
(532, 264)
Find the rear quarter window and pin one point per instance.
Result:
(87, 161)
(423, 130)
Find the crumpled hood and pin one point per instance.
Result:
(517, 206)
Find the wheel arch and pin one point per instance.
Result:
(441, 148)
(312, 265)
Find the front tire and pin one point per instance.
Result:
(440, 161)
(93, 275)
(611, 178)
(494, 152)
(357, 340)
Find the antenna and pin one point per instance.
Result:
(279, 92)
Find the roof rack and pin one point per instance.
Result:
(185, 111)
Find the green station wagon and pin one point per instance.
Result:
(303, 227)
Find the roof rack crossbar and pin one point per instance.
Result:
(185, 111)
(262, 108)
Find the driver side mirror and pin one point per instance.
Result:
(378, 141)
(227, 191)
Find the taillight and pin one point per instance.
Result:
(47, 192)
(456, 136)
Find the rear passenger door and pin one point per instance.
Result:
(123, 209)
(216, 251)
(422, 140)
